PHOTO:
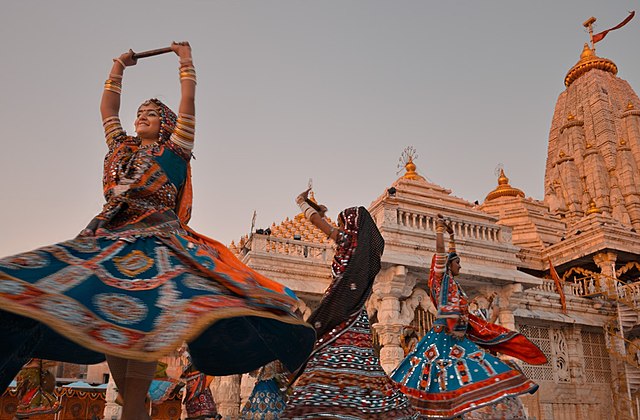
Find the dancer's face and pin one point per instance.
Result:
(455, 266)
(148, 121)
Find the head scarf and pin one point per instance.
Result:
(347, 240)
(168, 119)
(355, 266)
(450, 257)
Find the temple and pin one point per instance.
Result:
(584, 233)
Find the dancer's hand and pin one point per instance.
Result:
(323, 210)
(303, 196)
(441, 221)
(127, 58)
(182, 49)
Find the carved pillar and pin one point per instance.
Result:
(392, 284)
(246, 386)
(606, 262)
(391, 353)
(575, 355)
(228, 396)
(506, 307)
(112, 411)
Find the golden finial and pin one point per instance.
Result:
(589, 146)
(630, 106)
(623, 142)
(504, 189)
(588, 61)
(406, 162)
(571, 117)
(587, 53)
(592, 208)
(561, 154)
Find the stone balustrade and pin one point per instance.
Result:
(461, 229)
(569, 288)
(609, 287)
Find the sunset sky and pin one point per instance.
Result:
(287, 90)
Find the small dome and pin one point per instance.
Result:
(504, 189)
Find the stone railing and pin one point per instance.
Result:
(550, 286)
(461, 229)
(600, 284)
(292, 247)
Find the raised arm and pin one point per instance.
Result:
(110, 104)
(315, 214)
(184, 133)
(187, 78)
(441, 226)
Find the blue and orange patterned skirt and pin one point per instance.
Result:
(444, 377)
(140, 298)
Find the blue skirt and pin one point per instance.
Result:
(444, 377)
(265, 403)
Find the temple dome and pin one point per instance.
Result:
(588, 61)
(504, 189)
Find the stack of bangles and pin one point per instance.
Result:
(306, 208)
(187, 71)
(114, 83)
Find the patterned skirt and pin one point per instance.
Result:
(199, 401)
(34, 397)
(265, 403)
(343, 379)
(141, 297)
(445, 377)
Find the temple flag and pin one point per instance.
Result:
(558, 282)
(600, 35)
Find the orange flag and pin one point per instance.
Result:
(600, 35)
(558, 282)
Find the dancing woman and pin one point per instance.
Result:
(343, 378)
(267, 400)
(137, 282)
(453, 370)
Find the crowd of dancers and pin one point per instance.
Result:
(137, 283)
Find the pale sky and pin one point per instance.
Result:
(288, 90)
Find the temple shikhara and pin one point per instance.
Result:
(564, 271)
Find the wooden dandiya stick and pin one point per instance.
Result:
(151, 53)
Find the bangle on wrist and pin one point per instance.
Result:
(331, 232)
(307, 210)
(119, 61)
